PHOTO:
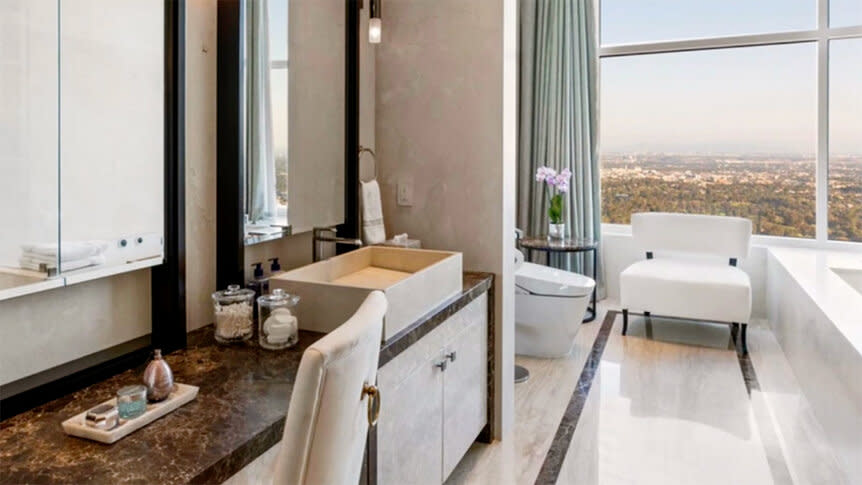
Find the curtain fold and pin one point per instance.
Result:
(559, 116)
(261, 161)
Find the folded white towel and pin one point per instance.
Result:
(373, 229)
(69, 250)
(39, 258)
(35, 264)
(263, 229)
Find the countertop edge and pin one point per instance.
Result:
(479, 283)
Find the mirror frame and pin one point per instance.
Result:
(230, 230)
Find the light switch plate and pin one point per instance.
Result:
(405, 193)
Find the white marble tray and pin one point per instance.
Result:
(75, 426)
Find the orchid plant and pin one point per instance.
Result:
(556, 184)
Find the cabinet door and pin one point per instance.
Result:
(409, 433)
(465, 392)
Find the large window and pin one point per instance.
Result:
(734, 107)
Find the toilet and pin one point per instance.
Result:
(550, 305)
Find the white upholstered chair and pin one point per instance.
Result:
(690, 269)
(331, 406)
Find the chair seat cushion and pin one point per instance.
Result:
(687, 289)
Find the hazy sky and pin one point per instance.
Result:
(758, 99)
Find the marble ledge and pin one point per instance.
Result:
(474, 285)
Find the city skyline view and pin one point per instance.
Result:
(778, 193)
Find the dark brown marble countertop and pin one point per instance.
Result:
(237, 415)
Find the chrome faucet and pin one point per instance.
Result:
(319, 235)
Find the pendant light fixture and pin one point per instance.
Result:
(375, 27)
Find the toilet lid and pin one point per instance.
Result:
(544, 280)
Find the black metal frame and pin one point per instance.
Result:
(350, 227)
(230, 247)
(168, 290)
(735, 327)
(168, 281)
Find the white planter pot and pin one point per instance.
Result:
(556, 231)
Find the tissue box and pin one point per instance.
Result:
(406, 243)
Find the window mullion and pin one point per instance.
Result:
(822, 207)
(822, 178)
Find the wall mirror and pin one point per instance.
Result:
(292, 92)
(81, 141)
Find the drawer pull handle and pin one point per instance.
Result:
(373, 393)
(451, 356)
(441, 365)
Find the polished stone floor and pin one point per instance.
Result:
(670, 403)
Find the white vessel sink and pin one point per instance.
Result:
(415, 281)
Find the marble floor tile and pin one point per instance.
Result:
(667, 413)
(539, 406)
(667, 404)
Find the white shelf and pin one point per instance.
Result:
(88, 274)
(37, 287)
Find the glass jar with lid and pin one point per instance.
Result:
(278, 327)
(233, 314)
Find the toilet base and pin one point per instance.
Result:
(546, 326)
(522, 374)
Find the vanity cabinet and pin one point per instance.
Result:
(434, 400)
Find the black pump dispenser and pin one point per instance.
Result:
(274, 266)
(258, 270)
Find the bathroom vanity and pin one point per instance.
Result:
(436, 379)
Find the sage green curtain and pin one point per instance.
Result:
(559, 115)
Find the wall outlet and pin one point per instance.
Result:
(405, 193)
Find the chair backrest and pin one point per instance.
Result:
(327, 421)
(692, 233)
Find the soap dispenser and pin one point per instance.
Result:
(259, 284)
(274, 267)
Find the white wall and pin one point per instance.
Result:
(367, 95)
(316, 40)
(440, 126)
(201, 38)
(43, 330)
(619, 250)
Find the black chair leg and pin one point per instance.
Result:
(742, 339)
(625, 321)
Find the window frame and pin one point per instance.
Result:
(821, 36)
